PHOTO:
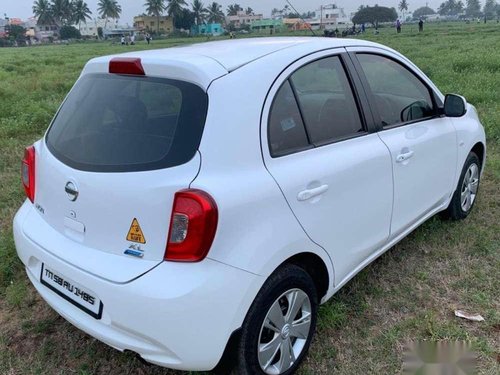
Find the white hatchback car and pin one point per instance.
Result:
(196, 204)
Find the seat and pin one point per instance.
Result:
(337, 119)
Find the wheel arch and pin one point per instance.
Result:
(314, 265)
(479, 149)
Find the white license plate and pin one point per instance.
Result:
(71, 292)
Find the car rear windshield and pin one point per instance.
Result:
(115, 123)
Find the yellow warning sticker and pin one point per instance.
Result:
(135, 232)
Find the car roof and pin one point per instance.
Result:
(234, 53)
(201, 63)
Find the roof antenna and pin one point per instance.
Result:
(295, 10)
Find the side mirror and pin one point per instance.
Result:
(454, 105)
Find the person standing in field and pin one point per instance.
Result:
(420, 25)
(132, 39)
(398, 26)
(123, 40)
(148, 38)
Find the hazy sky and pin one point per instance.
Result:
(130, 8)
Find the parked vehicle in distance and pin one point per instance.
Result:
(196, 203)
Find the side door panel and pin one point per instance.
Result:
(424, 150)
(340, 192)
(351, 220)
(423, 182)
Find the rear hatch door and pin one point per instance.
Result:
(107, 172)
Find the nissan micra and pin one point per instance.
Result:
(198, 203)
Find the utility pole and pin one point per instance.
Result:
(321, 18)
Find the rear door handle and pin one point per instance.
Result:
(404, 156)
(311, 193)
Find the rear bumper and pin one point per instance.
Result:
(178, 315)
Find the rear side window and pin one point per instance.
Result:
(286, 129)
(115, 123)
(326, 101)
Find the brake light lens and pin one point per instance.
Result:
(192, 226)
(28, 172)
(126, 65)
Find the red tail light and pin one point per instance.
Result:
(28, 172)
(126, 65)
(192, 226)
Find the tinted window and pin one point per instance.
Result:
(286, 129)
(120, 123)
(326, 101)
(399, 95)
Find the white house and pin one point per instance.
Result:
(329, 17)
(241, 18)
(89, 28)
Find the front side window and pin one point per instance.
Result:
(398, 94)
(326, 100)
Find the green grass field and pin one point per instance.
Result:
(407, 294)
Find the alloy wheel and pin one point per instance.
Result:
(469, 187)
(284, 332)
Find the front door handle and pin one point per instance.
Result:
(404, 156)
(311, 193)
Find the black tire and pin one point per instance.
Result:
(283, 280)
(455, 211)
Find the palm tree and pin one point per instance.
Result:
(155, 8)
(199, 11)
(109, 9)
(174, 8)
(403, 7)
(233, 9)
(43, 11)
(215, 13)
(62, 11)
(80, 12)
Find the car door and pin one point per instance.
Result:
(422, 143)
(334, 171)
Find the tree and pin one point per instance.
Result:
(490, 9)
(69, 32)
(374, 15)
(403, 7)
(423, 11)
(62, 12)
(17, 33)
(109, 9)
(451, 8)
(42, 9)
(249, 11)
(155, 8)
(80, 12)
(215, 13)
(473, 8)
(184, 20)
(199, 11)
(174, 9)
(233, 9)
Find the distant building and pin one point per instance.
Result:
(241, 18)
(214, 29)
(151, 23)
(295, 24)
(270, 25)
(90, 29)
(329, 17)
(46, 32)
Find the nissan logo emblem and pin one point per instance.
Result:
(71, 190)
